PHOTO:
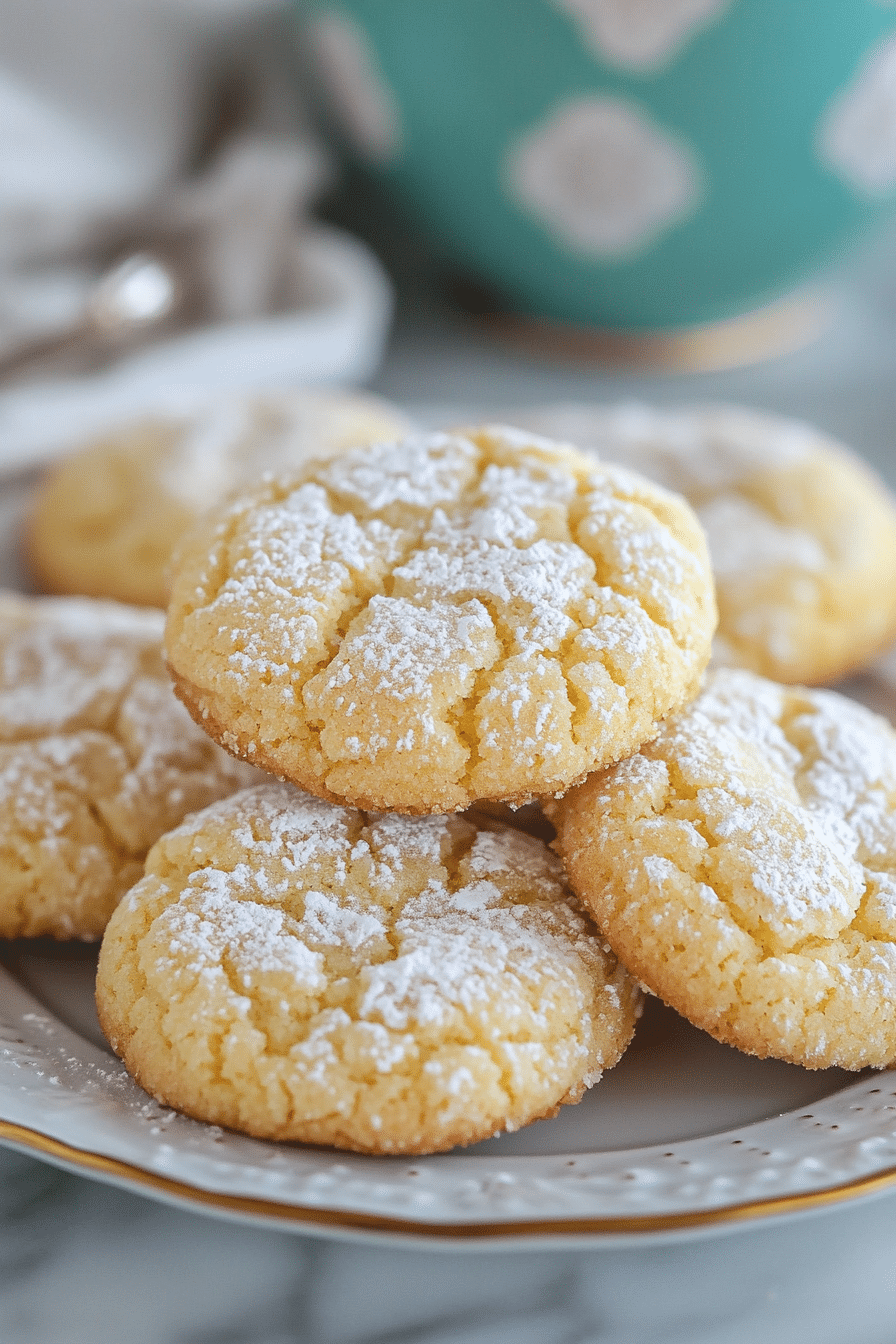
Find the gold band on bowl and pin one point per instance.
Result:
(751, 338)
(297, 1217)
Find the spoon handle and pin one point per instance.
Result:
(132, 302)
(40, 348)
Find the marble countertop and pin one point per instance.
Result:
(84, 1263)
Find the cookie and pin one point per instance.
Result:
(801, 533)
(419, 626)
(743, 866)
(106, 519)
(382, 983)
(97, 759)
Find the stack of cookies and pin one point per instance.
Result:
(411, 641)
(97, 757)
(403, 632)
(801, 532)
(108, 516)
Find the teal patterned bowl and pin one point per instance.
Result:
(630, 164)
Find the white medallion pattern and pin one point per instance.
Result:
(640, 34)
(603, 177)
(362, 99)
(857, 133)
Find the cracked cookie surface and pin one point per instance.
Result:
(97, 759)
(422, 625)
(801, 532)
(743, 865)
(106, 519)
(383, 983)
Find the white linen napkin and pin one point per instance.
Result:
(103, 105)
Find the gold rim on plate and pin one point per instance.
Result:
(291, 1214)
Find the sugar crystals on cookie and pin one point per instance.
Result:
(455, 618)
(107, 517)
(97, 759)
(801, 532)
(743, 866)
(382, 983)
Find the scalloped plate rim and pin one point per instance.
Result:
(67, 1087)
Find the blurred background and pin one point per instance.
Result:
(621, 185)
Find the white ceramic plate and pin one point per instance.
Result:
(684, 1137)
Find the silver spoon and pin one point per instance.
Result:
(130, 302)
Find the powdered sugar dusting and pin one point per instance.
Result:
(744, 865)
(327, 922)
(743, 539)
(371, 591)
(535, 587)
(208, 927)
(201, 464)
(390, 976)
(701, 452)
(237, 438)
(422, 472)
(796, 792)
(97, 759)
(401, 646)
(799, 532)
(65, 662)
(461, 908)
